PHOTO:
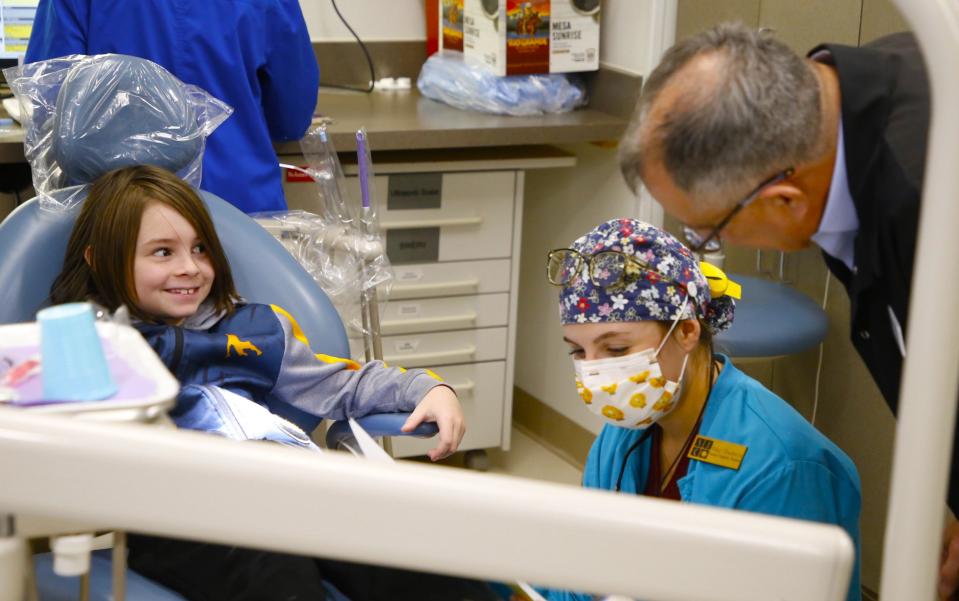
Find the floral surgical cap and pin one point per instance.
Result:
(658, 294)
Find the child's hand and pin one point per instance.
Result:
(441, 406)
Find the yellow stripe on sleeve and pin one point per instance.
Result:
(350, 364)
(299, 335)
(429, 372)
(297, 330)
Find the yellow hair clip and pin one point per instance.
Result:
(719, 284)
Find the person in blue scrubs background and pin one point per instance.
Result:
(683, 423)
(255, 55)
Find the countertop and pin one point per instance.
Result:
(409, 121)
(396, 120)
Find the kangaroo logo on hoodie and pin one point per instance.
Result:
(240, 346)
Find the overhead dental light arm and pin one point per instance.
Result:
(186, 484)
(927, 404)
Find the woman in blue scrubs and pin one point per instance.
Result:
(255, 56)
(682, 422)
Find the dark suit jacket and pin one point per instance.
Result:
(885, 120)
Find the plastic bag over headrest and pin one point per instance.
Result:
(87, 115)
(121, 110)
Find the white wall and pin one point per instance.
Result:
(562, 204)
(623, 34)
(372, 20)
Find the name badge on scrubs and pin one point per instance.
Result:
(717, 452)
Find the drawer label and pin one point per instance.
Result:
(408, 310)
(414, 191)
(407, 346)
(410, 274)
(413, 245)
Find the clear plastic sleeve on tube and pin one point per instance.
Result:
(341, 246)
(319, 246)
(378, 272)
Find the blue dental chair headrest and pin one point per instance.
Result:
(117, 110)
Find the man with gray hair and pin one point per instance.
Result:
(737, 136)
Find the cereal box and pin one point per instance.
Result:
(514, 37)
(451, 25)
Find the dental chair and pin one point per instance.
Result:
(32, 243)
(33, 240)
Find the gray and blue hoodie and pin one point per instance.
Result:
(241, 372)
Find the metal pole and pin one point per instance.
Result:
(119, 556)
(85, 586)
(376, 337)
(365, 317)
(13, 568)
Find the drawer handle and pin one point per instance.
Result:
(454, 356)
(458, 287)
(449, 322)
(464, 388)
(418, 223)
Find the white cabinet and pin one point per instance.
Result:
(433, 349)
(474, 215)
(449, 279)
(453, 240)
(479, 387)
(405, 316)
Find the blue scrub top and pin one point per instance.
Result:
(255, 55)
(790, 469)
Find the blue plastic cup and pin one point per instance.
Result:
(73, 366)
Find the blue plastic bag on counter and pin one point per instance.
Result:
(447, 77)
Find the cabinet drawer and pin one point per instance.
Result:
(480, 388)
(441, 348)
(472, 219)
(449, 279)
(438, 314)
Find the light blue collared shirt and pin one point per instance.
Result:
(840, 224)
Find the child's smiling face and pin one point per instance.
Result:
(171, 270)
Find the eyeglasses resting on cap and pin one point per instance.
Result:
(606, 269)
(612, 268)
(698, 243)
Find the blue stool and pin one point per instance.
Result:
(67, 588)
(51, 587)
(772, 320)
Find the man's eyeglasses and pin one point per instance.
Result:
(605, 269)
(698, 243)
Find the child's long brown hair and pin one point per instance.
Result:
(107, 229)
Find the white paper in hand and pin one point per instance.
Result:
(371, 450)
(529, 591)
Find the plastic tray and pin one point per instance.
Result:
(131, 360)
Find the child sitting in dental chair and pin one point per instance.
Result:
(143, 239)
